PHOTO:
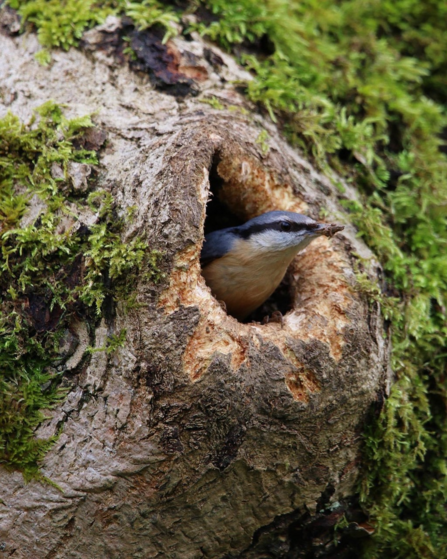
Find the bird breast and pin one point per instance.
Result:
(244, 279)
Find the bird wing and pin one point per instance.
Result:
(216, 245)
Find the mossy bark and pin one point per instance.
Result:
(200, 431)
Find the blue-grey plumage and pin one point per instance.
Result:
(244, 265)
(217, 244)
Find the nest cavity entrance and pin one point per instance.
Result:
(223, 211)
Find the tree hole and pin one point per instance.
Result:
(223, 210)
(218, 213)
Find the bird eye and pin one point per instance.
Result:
(285, 226)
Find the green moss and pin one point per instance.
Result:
(113, 342)
(213, 102)
(361, 87)
(262, 141)
(43, 57)
(61, 23)
(147, 13)
(49, 273)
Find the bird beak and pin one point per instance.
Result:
(328, 229)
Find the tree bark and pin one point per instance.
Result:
(201, 432)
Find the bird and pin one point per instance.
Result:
(243, 265)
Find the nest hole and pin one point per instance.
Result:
(218, 213)
(224, 211)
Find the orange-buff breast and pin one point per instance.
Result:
(244, 280)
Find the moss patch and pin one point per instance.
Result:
(361, 87)
(60, 23)
(53, 268)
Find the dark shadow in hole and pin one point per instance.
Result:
(220, 216)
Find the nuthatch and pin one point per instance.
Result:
(244, 265)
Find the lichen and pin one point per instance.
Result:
(361, 87)
(51, 271)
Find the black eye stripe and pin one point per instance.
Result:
(275, 226)
(311, 226)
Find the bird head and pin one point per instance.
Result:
(278, 231)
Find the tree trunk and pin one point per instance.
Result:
(202, 434)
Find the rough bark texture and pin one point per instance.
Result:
(201, 431)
